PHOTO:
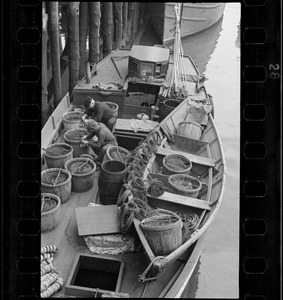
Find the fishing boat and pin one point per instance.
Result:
(147, 242)
(196, 17)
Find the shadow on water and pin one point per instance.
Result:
(192, 287)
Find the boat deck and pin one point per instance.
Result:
(69, 244)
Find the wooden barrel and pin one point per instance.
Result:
(190, 129)
(83, 173)
(110, 181)
(50, 212)
(166, 107)
(163, 236)
(114, 106)
(184, 184)
(61, 187)
(55, 155)
(72, 120)
(73, 138)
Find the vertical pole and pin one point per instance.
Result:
(44, 93)
(83, 36)
(118, 23)
(108, 27)
(55, 51)
(135, 20)
(74, 55)
(94, 29)
(130, 22)
(125, 23)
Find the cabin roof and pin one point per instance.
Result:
(148, 53)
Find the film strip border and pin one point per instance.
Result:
(260, 170)
(260, 214)
(21, 148)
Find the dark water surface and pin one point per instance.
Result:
(216, 51)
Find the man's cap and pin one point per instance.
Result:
(92, 126)
(87, 102)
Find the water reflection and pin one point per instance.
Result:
(201, 45)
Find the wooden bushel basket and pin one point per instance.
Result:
(190, 129)
(50, 217)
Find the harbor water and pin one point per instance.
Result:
(216, 51)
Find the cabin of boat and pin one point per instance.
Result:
(135, 89)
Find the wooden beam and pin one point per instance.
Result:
(194, 158)
(143, 240)
(183, 200)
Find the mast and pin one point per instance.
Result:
(178, 80)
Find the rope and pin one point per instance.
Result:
(143, 158)
(137, 193)
(119, 155)
(156, 135)
(55, 181)
(152, 144)
(191, 220)
(156, 188)
(142, 277)
(134, 208)
(146, 149)
(138, 183)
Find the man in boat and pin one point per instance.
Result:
(99, 137)
(100, 112)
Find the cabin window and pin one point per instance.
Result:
(158, 70)
(163, 69)
(146, 69)
(133, 67)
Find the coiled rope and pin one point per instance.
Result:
(156, 188)
(191, 220)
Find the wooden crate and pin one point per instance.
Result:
(94, 275)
